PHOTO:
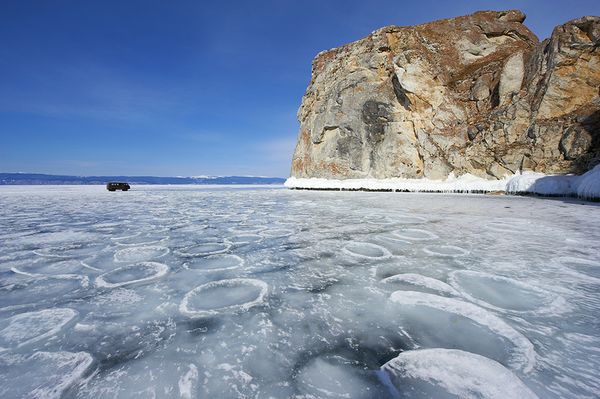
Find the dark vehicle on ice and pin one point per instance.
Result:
(114, 186)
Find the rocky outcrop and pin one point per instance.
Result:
(477, 94)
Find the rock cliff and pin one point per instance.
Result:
(477, 94)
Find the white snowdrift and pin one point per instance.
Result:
(464, 183)
(539, 183)
(586, 186)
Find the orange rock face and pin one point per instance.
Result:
(477, 94)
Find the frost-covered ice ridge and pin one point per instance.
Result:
(245, 292)
(586, 186)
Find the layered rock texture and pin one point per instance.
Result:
(477, 94)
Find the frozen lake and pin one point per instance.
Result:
(249, 292)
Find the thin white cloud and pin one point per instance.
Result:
(278, 149)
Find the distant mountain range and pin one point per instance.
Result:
(38, 178)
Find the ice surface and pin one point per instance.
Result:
(132, 274)
(209, 248)
(337, 377)
(140, 254)
(501, 293)
(29, 291)
(413, 279)
(451, 373)
(522, 354)
(123, 295)
(231, 295)
(20, 376)
(445, 250)
(415, 235)
(27, 328)
(587, 267)
(215, 263)
(367, 250)
(187, 381)
(40, 269)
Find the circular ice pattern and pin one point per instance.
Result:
(241, 239)
(445, 250)
(215, 263)
(415, 235)
(379, 220)
(441, 373)
(276, 233)
(141, 241)
(247, 229)
(132, 274)
(367, 250)
(67, 251)
(224, 296)
(43, 374)
(140, 254)
(205, 249)
(26, 328)
(421, 281)
(501, 293)
(409, 219)
(47, 290)
(581, 265)
(522, 356)
(51, 268)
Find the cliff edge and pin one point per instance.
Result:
(476, 95)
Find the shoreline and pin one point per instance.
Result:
(584, 187)
(466, 192)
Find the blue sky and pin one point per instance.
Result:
(183, 87)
